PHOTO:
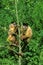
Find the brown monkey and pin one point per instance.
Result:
(12, 33)
(27, 33)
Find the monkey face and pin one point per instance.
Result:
(23, 29)
(12, 29)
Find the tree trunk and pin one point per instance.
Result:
(16, 1)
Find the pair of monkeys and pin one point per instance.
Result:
(26, 33)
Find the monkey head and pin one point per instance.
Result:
(27, 33)
(12, 28)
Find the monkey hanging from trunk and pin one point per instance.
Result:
(26, 34)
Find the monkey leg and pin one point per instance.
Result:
(24, 45)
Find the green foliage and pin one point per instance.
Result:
(30, 11)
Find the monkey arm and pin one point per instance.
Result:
(28, 32)
(23, 37)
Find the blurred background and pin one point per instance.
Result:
(30, 11)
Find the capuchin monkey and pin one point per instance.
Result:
(12, 33)
(26, 34)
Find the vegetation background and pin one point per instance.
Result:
(30, 11)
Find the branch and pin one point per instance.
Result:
(14, 45)
(16, 1)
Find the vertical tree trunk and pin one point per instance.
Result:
(16, 1)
